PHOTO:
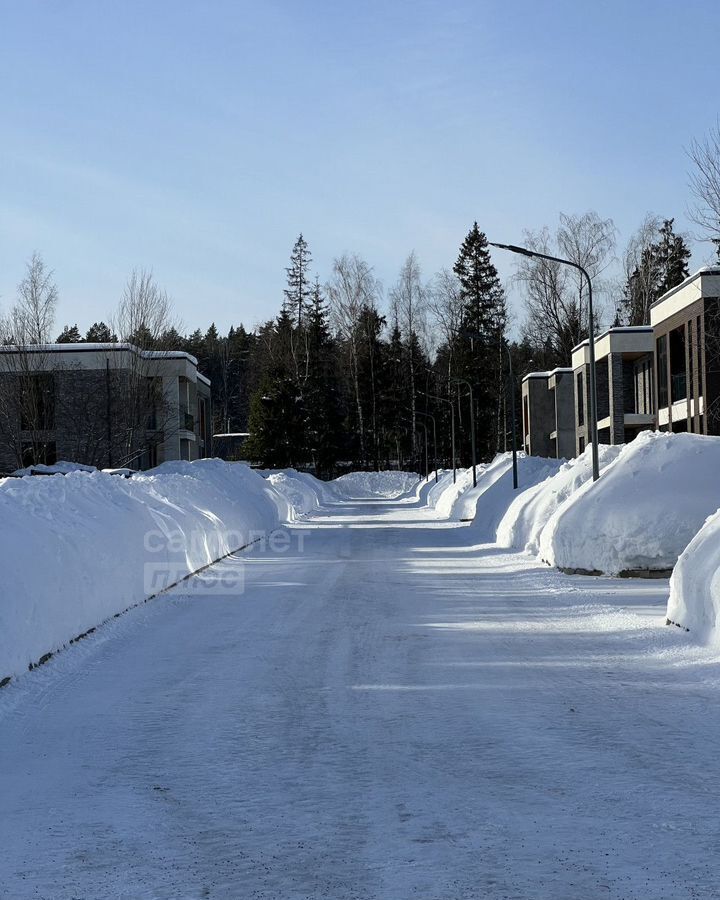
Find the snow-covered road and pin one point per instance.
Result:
(382, 711)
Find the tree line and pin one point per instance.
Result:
(348, 374)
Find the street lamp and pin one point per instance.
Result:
(523, 251)
(418, 413)
(512, 416)
(452, 424)
(424, 428)
(472, 424)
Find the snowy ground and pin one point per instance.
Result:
(383, 711)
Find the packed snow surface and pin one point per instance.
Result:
(530, 511)
(79, 548)
(375, 485)
(382, 711)
(643, 511)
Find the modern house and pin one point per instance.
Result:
(108, 405)
(624, 373)
(548, 405)
(686, 325)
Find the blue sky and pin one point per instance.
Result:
(199, 138)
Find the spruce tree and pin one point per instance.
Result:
(484, 320)
(321, 396)
(69, 335)
(99, 333)
(297, 293)
(672, 258)
(663, 265)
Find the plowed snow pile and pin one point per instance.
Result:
(452, 491)
(486, 503)
(643, 512)
(374, 485)
(694, 601)
(529, 513)
(75, 549)
(303, 492)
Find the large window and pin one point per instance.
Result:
(580, 399)
(661, 350)
(678, 371)
(37, 402)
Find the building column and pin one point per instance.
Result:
(616, 396)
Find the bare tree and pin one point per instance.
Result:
(352, 289)
(705, 184)
(640, 271)
(27, 397)
(556, 296)
(409, 301)
(445, 304)
(144, 313)
(141, 418)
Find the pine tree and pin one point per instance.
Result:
(672, 258)
(321, 396)
(396, 400)
(277, 409)
(297, 293)
(484, 320)
(99, 333)
(69, 335)
(662, 266)
(483, 298)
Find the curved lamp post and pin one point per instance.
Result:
(452, 424)
(512, 416)
(472, 424)
(523, 251)
(424, 428)
(432, 418)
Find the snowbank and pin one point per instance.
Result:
(303, 492)
(495, 490)
(529, 513)
(62, 467)
(452, 491)
(438, 488)
(374, 485)
(643, 512)
(694, 601)
(485, 504)
(75, 550)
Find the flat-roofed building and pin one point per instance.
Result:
(561, 385)
(624, 375)
(538, 414)
(548, 414)
(686, 326)
(107, 405)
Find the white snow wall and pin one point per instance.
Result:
(644, 510)
(694, 601)
(77, 549)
